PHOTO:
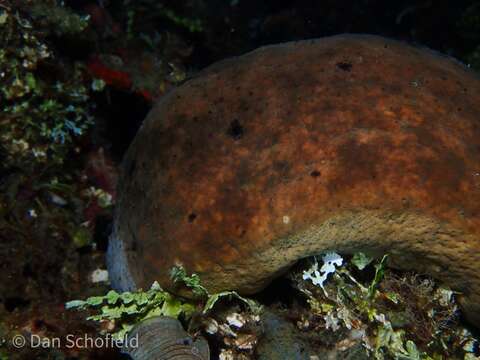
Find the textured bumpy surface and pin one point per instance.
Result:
(344, 143)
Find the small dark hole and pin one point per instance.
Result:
(38, 324)
(345, 66)
(131, 168)
(192, 217)
(28, 271)
(235, 130)
(123, 356)
(315, 173)
(103, 228)
(13, 303)
(279, 291)
(476, 348)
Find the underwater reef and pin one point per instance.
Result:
(77, 79)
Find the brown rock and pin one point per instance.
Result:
(345, 143)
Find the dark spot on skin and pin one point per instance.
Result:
(282, 168)
(241, 231)
(315, 173)
(192, 217)
(186, 341)
(235, 130)
(134, 245)
(345, 66)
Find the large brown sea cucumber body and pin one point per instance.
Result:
(344, 143)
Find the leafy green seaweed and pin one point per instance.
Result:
(129, 308)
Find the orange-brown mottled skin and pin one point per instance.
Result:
(344, 143)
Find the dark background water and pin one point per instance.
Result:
(152, 46)
(234, 27)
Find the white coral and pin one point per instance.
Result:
(318, 277)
